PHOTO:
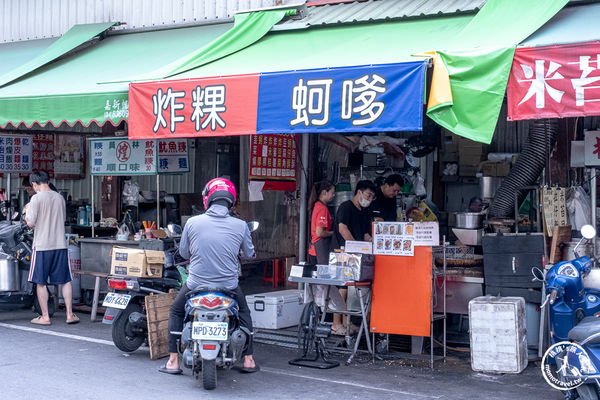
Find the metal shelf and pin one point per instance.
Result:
(438, 316)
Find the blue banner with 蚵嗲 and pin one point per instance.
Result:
(370, 98)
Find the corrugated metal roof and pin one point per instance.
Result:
(379, 10)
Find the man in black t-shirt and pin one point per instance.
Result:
(353, 217)
(384, 206)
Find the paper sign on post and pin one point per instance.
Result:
(427, 234)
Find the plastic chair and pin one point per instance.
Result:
(278, 273)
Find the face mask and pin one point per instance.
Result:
(364, 203)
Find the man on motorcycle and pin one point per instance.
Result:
(213, 242)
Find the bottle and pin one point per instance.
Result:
(81, 216)
(88, 215)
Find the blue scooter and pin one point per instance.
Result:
(572, 363)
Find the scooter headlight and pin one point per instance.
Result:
(568, 269)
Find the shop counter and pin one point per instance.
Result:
(96, 255)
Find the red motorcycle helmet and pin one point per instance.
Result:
(218, 189)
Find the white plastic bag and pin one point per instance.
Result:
(579, 208)
(419, 185)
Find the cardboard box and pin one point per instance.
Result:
(449, 142)
(137, 262)
(468, 170)
(449, 157)
(495, 169)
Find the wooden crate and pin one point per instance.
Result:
(157, 312)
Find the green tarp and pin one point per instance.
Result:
(479, 63)
(74, 37)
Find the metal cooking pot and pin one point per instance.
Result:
(9, 274)
(468, 220)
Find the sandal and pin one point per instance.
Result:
(73, 320)
(38, 321)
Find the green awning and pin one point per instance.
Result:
(479, 62)
(67, 90)
(247, 29)
(74, 37)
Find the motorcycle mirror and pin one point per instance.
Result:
(174, 229)
(538, 274)
(588, 231)
(253, 225)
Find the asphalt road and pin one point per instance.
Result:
(80, 362)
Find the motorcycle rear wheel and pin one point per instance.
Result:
(588, 392)
(209, 374)
(122, 336)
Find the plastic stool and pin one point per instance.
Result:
(278, 274)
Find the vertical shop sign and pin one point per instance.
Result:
(43, 153)
(15, 154)
(173, 156)
(592, 148)
(69, 157)
(273, 160)
(554, 208)
(123, 157)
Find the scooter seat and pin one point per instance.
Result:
(587, 327)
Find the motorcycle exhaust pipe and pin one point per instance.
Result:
(238, 342)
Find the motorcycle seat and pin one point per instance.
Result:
(587, 327)
(158, 283)
(201, 290)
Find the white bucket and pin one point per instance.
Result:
(74, 265)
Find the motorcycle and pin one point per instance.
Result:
(212, 334)
(16, 245)
(125, 303)
(574, 325)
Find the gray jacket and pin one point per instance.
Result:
(212, 241)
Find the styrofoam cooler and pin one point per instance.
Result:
(276, 310)
(498, 332)
(75, 265)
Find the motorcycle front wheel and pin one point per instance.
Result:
(588, 392)
(209, 374)
(123, 336)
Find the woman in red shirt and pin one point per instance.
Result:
(320, 223)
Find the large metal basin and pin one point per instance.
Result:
(9, 274)
(469, 220)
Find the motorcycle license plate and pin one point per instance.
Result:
(203, 330)
(116, 300)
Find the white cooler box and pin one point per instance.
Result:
(276, 310)
(498, 333)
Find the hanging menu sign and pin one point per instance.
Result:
(69, 160)
(15, 153)
(43, 153)
(554, 208)
(273, 158)
(394, 238)
(123, 157)
(173, 156)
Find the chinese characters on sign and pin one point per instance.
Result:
(373, 98)
(173, 156)
(15, 154)
(116, 109)
(592, 148)
(554, 208)
(369, 98)
(203, 107)
(43, 153)
(273, 157)
(427, 234)
(555, 81)
(123, 157)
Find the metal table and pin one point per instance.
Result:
(364, 300)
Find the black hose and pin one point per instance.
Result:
(527, 169)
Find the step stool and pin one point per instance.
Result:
(278, 274)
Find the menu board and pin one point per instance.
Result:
(554, 208)
(173, 156)
(123, 157)
(273, 159)
(43, 153)
(394, 238)
(15, 154)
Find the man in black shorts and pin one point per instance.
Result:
(50, 261)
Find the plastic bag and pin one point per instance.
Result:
(123, 232)
(579, 208)
(419, 185)
(131, 191)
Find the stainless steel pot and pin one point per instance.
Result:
(469, 220)
(9, 274)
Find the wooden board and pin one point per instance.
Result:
(560, 234)
(157, 313)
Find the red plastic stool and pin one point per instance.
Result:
(278, 274)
